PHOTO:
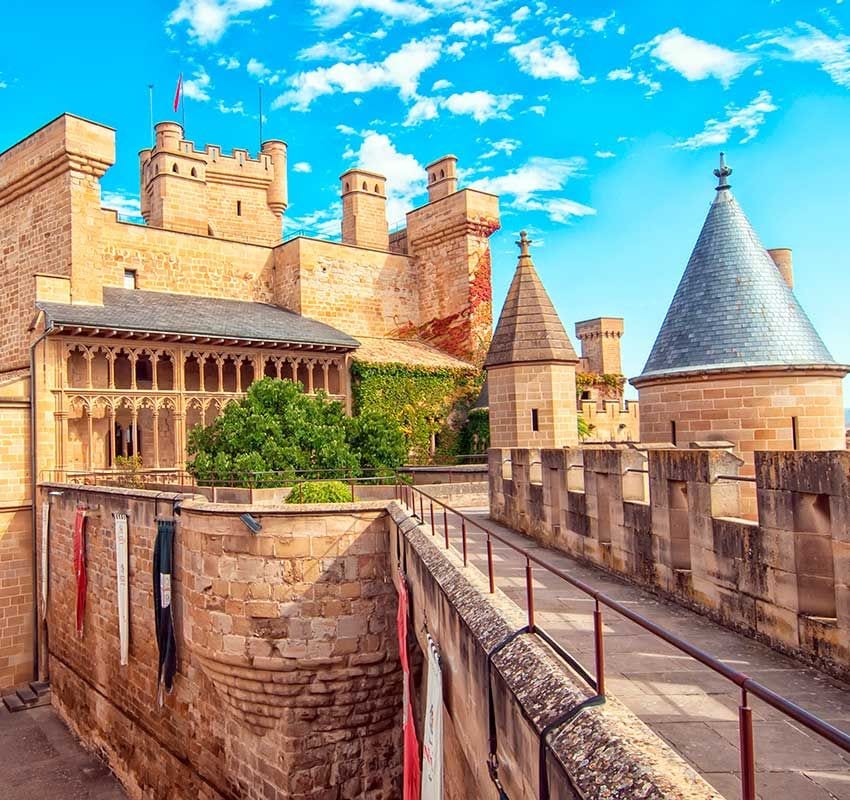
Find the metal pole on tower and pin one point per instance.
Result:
(183, 107)
(260, 87)
(150, 104)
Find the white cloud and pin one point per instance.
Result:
(236, 108)
(621, 30)
(469, 28)
(505, 35)
(424, 109)
(124, 202)
(196, 87)
(330, 13)
(808, 44)
(600, 23)
(405, 175)
(506, 146)
(520, 14)
(346, 130)
(302, 166)
(621, 75)
(546, 61)
(605, 154)
(209, 19)
(748, 119)
(441, 84)
(333, 51)
(324, 222)
(400, 70)
(256, 69)
(694, 59)
(523, 186)
(228, 62)
(540, 110)
(3, 85)
(480, 105)
(652, 86)
(457, 49)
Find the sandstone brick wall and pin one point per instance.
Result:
(670, 520)
(611, 420)
(604, 752)
(448, 241)
(515, 391)
(288, 681)
(362, 291)
(600, 344)
(752, 411)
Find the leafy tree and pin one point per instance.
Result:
(320, 492)
(278, 429)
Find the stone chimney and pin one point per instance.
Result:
(783, 258)
(364, 209)
(442, 178)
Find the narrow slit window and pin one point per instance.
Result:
(795, 434)
(238, 208)
(535, 420)
(673, 432)
(129, 279)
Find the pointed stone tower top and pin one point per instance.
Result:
(529, 329)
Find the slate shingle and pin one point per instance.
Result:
(732, 307)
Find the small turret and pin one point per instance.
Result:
(442, 178)
(364, 209)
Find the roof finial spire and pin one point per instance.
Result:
(523, 243)
(723, 173)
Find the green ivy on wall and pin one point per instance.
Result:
(427, 403)
(610, 385)
(475, 434)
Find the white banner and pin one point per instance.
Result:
(432, 735)
(123, 592)
(45, 544)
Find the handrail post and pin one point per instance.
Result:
(599, 647)
(463, 537)
(490, 564)
(446, 526)
(529, 592)
(421, 508)
(433, 530)
(748, 768)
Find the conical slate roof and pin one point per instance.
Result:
(732, 307)
(529, 328)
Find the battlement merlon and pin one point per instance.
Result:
(65, 143)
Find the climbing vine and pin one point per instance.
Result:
(610, 385)
(430, 405)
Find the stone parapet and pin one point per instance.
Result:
(671, 520)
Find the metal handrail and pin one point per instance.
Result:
(748, 686)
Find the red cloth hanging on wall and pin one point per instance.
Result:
(80, 565)
(412, 770)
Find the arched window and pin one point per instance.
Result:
(194, 173)
(347, 187)
(174, 169)
(433, 177)
(442, 174)
(365, 187)
(377, 189)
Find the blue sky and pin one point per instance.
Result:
(598, 123)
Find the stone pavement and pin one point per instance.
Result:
(690, 706)
(40, 758)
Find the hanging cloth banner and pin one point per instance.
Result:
(80, 565)
(164, 619)
(45, 544)
(121, 570)
(412, 774)
(432, 736)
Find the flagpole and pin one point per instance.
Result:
(150, 107)
(260, 88)
(183, 107)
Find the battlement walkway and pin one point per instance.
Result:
(687, 704)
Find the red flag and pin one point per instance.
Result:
(178, 92)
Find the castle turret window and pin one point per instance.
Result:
(238, 208)
(535, 420)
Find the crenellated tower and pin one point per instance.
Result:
(212, 194)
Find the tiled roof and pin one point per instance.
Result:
(190, 315)
(406, 351)
(529, 328)
(732, 307)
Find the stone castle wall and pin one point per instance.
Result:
(288, 681)
(670, 520)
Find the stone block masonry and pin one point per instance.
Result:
(670, 520)
(288, 682)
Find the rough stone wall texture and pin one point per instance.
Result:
(448, 241)
(600, 344)
(363, 291)
(604, 752)
(611, 421)
(669, 520)
(288, 682)
(516, 390)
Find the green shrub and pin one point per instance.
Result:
(320, 492)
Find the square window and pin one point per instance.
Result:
(129, 279)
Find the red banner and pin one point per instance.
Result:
(412, 774)
(80, 566)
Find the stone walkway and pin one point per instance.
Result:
(690, 706)
(40, 760)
